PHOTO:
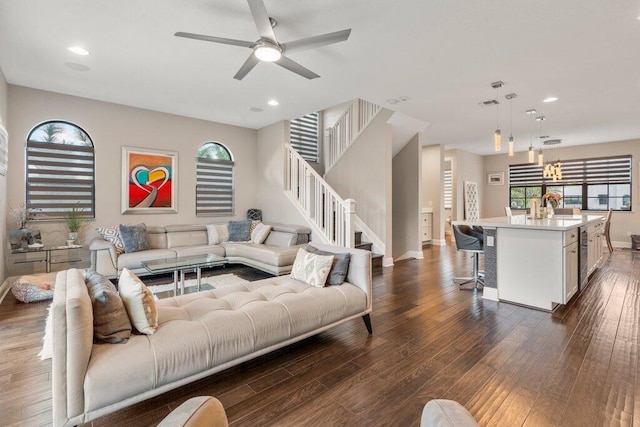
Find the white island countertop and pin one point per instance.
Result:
(558, 222)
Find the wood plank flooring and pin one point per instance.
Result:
(508, 365)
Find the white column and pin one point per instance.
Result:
(350, 211)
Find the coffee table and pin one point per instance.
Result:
(181, 264)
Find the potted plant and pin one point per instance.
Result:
(74, 221)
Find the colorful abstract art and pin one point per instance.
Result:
(149, 181)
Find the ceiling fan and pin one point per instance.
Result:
(267, 48)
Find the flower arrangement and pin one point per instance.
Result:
(21, 214)
(552, 199)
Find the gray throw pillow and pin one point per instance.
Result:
(340, 267)
(240, 231)
(110, 320)
(134, 237)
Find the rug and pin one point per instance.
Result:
(214, 281)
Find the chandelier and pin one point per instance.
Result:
(552, 170)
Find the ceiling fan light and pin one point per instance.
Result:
(267, 52)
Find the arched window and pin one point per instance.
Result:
(214, 180)
(60, 171)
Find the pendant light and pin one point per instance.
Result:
(497, 135)
(511, 141)
(540, 119)
(532, 154)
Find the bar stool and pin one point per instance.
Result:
(470, 240)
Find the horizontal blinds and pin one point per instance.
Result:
(59, 178)
(612, 170)
(448, 189)
(214, 187)
(304, 136)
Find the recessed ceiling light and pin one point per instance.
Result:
(77, 67)
(78, 50)
(550, 99)
(273, 102)
(530, 112)
(256, 109)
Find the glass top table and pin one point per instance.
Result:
(179, 265)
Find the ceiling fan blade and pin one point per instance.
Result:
(248, 65)
(261, 18)
(316, 41)
(215, 39)
(290, 65)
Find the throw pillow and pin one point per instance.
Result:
(340, 266)
(110, 320)
(139, 302)
(239, 231)
(254, 224)
(217, 233)
(110, 234)
(259, 235)
(134, 237)
(311, 269)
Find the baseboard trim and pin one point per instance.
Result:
(439, 242)
(4, 290)
(387, 262)
(625, 245)
(490, 293)
(411, 254)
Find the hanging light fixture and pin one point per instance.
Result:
(540, 119)
(532, 154)
(511, 141)
(497, 135)
(553, 170)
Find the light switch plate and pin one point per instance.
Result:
(490, 241)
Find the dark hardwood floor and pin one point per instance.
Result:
(508, 365)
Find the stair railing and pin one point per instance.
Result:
(330, 215)
(347, 129)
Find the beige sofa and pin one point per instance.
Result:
(275, 255)
(198, 334)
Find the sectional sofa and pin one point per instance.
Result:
(275, 255)
(198, 334)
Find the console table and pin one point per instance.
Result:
(71, 255)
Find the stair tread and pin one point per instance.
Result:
(375, 256)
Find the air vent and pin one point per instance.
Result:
(552, 142)
(489, 103)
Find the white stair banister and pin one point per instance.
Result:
(347, 129)
(330, 216)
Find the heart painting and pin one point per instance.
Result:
(150, 182)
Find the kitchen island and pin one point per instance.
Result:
(539, 263)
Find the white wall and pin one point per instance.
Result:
(364, 174)
(111, 126)
(4, 109)
(406, 200)
(497, 197)
(432, 195)
(271, 198)
(467, 167)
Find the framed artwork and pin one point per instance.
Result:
(495, 178)
(4, 150)
(149, 181)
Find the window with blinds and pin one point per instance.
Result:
(448, 189)
(60, 171)
(304, 136)
(214, 180)
(589, 184)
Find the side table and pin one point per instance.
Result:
(72, 257)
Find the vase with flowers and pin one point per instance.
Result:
(552, 201)
(21, 214)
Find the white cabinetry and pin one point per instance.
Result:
(426, 224)
(595, 249)
(570, 284)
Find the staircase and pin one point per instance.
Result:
(376, 259)
(347, 129)
(332, 218)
